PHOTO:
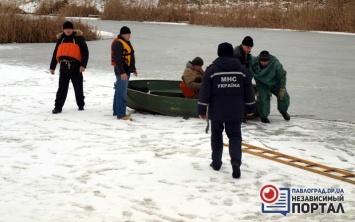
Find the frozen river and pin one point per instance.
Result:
(320, 66)
(88, 166)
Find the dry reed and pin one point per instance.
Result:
(37, 29)
(319, 15)
(65, 8)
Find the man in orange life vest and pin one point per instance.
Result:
(72, 53)
(123, 60)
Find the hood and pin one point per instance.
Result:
(76, 32)
(189, 65)
(258, 70)
(227, 63)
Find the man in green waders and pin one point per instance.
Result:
(270, 77)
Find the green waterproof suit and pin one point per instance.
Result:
(269, 79)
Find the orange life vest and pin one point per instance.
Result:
(69, 49)
(127, 52)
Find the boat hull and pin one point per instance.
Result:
(161, 97)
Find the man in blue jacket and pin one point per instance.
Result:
(226, 89)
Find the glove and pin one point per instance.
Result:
(282, 93)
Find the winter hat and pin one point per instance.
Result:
(125, 30)
(225, 49)
(264, 56)
(197, 61)
(248, 41)
(68, 25)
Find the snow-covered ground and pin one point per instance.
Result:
(89, 166)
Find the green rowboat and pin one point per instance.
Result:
(161, 97)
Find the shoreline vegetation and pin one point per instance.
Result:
(303, 15)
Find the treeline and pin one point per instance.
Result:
(305, 15)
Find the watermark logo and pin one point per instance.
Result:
(275, 200)
(301, 200)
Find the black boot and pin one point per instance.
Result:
(81, 108)
(265, 120)
(285, 115)
(215, 166)
(56, 110)
(236, 169)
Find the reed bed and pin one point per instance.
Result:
(67, 9)
(304, 15)
(19, 27)
(36, 29)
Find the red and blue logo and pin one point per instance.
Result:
(275, 200)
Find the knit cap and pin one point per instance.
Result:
(125, 30)
(264, 56)
(68, 25)
(197, 61)
(248, 41)
(225, 50)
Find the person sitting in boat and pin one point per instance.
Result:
(192, 78)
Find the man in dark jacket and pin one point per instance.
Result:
(72, 53)
(225, 89)
(242, 52)
(123, 60)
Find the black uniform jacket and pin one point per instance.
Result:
(226, 89)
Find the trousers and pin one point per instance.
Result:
(264, 94)
(120, 97)
(70, 71)
(234, 134)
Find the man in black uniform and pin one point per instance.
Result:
(226, 88)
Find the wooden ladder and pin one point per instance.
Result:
(332, 172)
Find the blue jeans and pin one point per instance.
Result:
(120, 98)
